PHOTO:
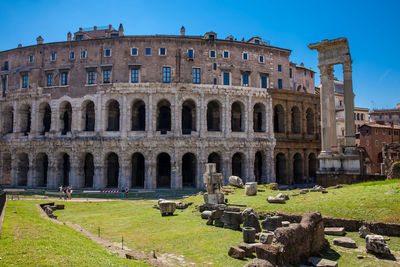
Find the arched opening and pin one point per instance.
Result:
(22, 169)
(138, 118)
(113, 115)
(298, 168)
(137, 170)
(279, 119)
(89, 116)
(312, 165)
(6, 169)
(188, 117)
(25, 119)
(112, 164)
(213, 116)
(66, 169)
(88, 170)
(310, 121)
(8, 120)
(188, 170)
(66, 117)
(45, 118)
(280, 169)
(295, 115)
(163, 170)
(215, 158)
(42, 167)
(238, 166)
(258, 167)
(237, 117)
(163, 116)
(259, 118)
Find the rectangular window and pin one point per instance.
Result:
(390, 116)
(72, 55)
(190, 54)
(212, 54)
(79, 37)
(376, 143)
(264, 81)
(134, 51)
(107, 76)
(83, 54)
(290, 73)
(148, 51)
(280, 83)
(311, 74)
(226, 78)
(196, 75)
(135, 75)
(49, 79)
(53, 56)
(245, 79)
(64, 78)
(261, 59)
(380, 116)
(279, 68)
(256, 41)
(91, 77)
(376, 131)
(215, 67)
(305, 72)
(163, 51)
(215, 80)
(107, 53)
(226, 54)
(211, 37)
(166, 74)
(25, 81)
(31, 59)
(244, 56)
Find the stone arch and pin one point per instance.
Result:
(214, 115)
(312, 166)
(298, 168)
(44, 118)
(215, 158)
(41, 169)
(65, 117)
(189, 169)
(8, 119)
(238, 165)
(138, 170)
(237, 117)
(188, 116)
(279, 119)
(66, 169)
(163, 170)
(88, 170)
(295, 118)
(310, 119)
(6, 169)
(22, 169)
(112, 165)
(113, 114)
(280, 168)
(25, 118)
(88, 116)
(164, 116)
(138, 116)
(258, 166)
(259, 118)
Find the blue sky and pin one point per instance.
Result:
(372, 27)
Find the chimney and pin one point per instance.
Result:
(121, 30)
(39, 40)
(182, 31)
(69, 36)
(110, 27)
(80, 29)
(95, 28)
(19, 45)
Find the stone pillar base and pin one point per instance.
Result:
(330, 163)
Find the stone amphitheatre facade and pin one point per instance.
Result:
(104, 110)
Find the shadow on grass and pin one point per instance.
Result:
(330, 254)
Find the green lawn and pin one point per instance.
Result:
(29, 240)
(186, 234)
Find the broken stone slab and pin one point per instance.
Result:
(377, 244)
(216, 217)
(266, 237)
(304, 191)
(284, 196)
(232, 220)
(206, 214)
(236, 253)
(363, 231)
(319, 262)
(334, 231)
(214, 199)
(251, 219)
(251, 189)
(249, 234)
(276, 200)
(271, 223)
(167, 207)
(236, 181)
(181, 206)
(271, 253)
(258, 263)
(248, 249)
(285, 224)
(345, 242)
(293, 194)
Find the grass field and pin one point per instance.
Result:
(186, 234)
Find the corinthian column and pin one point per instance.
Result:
(349, 140)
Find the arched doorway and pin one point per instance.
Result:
(138, 170)
(213, 116)
(188, 117)
(6, 169)
(312, 166)
(298, 168)
(45, 116)
(279, 119)
(42, 167)
(259, 118)
(163, 116)
(280, 169)
(237, 117)
(66, 168)
(88, 170)
(89, 116)
(258, 167)
(112, 164)
(25, 119)
(163, 170)
(188, 170)
(215, 158)
(138, 118)
(238, 166)
(295, 115)
(113, 116)
(310, 121)
(8, 119)
(66, 117)
(22, 169)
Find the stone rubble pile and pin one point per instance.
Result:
(49, 208)
(377, 245)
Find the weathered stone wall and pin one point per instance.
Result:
(327, 180)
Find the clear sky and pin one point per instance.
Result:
(372, 28)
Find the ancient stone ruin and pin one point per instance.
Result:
(49, 208)
(213, 182)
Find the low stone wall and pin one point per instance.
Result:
(327, 180)
(351, 225)
(3, 201)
